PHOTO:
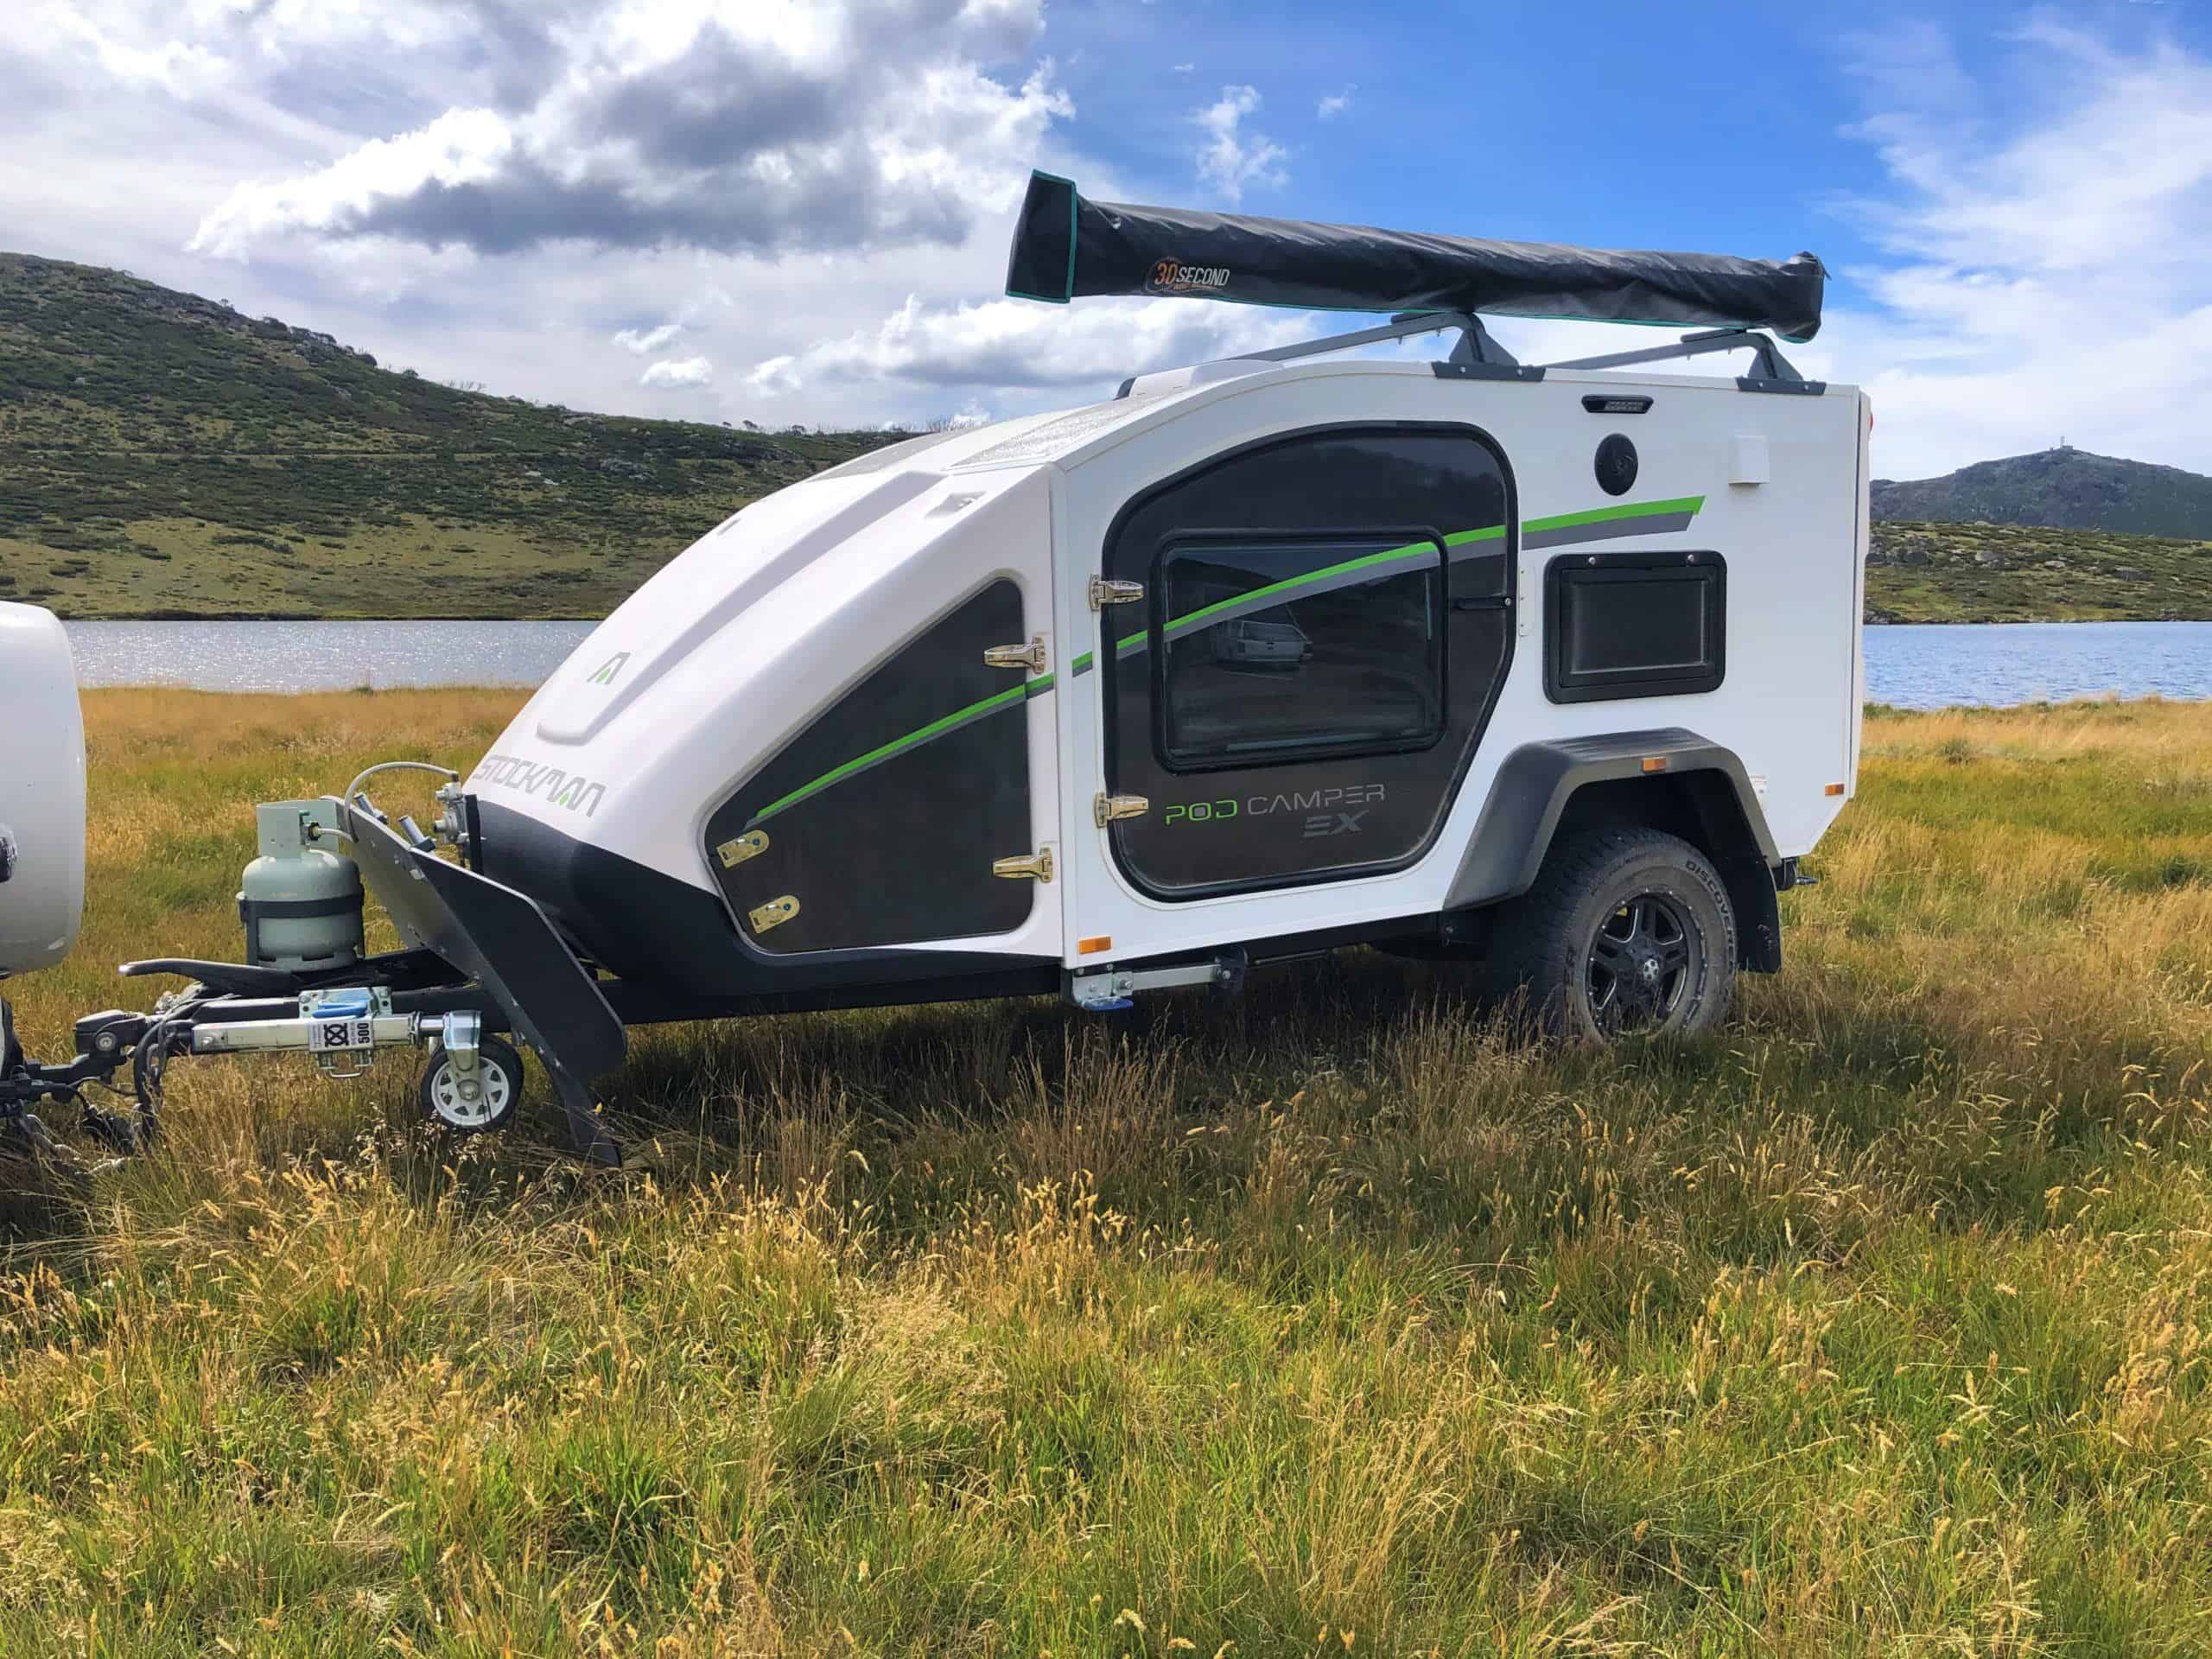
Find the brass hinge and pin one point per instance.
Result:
(1104, 809)
(1104, 592)
(735, 851)
(774, 913)
(1036, 867)
(1031, 656)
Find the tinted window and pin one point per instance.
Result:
(1634, 624)
(1277, 649)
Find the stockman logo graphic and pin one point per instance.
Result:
(609, 669)
(558, 786)
(1173, 277)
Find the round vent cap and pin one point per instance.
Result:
(1616, 465)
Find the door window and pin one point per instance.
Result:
(1279, 649)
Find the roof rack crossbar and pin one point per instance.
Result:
(1477, 348)
(1769, 359)
(1476, 345)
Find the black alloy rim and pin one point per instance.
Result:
(1637, 970)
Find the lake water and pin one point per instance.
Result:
(1910, 667)
(320, 656)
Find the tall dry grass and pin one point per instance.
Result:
(1332, 1320)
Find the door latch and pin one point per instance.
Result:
(735, 851)
(1035, 866)
(1031, 656)
(1104, 809)
(1104, 592)
(774, 913)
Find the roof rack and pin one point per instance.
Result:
(1479, 356)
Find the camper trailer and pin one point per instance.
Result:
(1551, 668)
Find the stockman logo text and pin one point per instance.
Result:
(558, 786)
(1173, 277)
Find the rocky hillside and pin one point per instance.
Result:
(160, 454)
(2063, 488)
(2004, 573)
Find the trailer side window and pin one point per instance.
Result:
(1268, 649)
(1634, 624)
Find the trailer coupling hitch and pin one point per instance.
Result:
(474, 1080)
(105, 1042)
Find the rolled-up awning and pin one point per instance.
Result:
(1064, 246)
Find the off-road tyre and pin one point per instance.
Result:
(1626, 931)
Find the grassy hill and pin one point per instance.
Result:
(160, 454)
(2007, 573)
(2068, 488)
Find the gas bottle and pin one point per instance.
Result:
(301, 900)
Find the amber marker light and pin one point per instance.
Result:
(1091, 947)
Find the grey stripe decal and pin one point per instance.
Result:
(1656, 524)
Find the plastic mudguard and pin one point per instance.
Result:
(502, 940)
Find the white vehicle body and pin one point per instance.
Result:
(41, 792)
(754, 635)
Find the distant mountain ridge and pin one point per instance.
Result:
(2063, 488)
(162, 455)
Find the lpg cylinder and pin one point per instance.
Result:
(300, 901)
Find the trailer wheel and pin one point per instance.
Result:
(499, 1074)
(1625, 932)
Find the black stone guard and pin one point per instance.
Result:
(504, 941)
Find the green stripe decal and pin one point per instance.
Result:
(1183, 624)
(1686, 506)
(976, 710)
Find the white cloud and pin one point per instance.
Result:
(1231, 158)
(179, 67)
(646, 341)
(1015, 343)
(1333, 104)
(678, 372)
(460, 151)
(2051, 264)
(759, 126)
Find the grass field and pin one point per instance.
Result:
(1327, 1322)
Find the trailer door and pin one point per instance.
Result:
(1325, 625)
(920, 806)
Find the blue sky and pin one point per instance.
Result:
(796, 210)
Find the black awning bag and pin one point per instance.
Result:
(1065, 247)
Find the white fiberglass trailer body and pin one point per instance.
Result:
(1553, 668)
(757, 641)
